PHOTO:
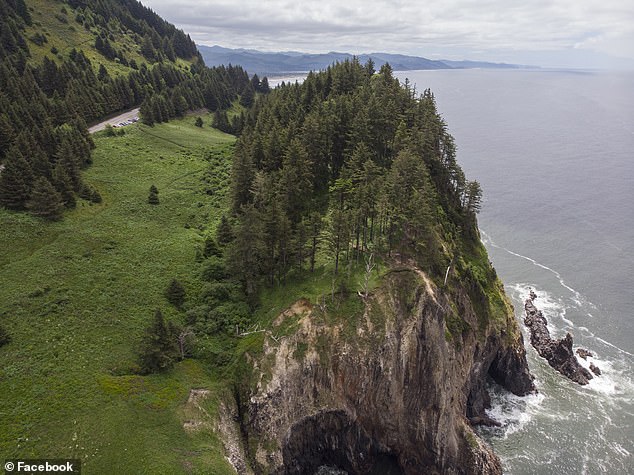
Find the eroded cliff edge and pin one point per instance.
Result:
(393, 383)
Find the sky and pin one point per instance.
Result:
(556, 33)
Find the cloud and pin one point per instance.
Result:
(406, 26)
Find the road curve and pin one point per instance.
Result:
(114, 120)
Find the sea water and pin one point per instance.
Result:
(554, 153)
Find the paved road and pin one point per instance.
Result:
(114, 120)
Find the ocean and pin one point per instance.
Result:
(554, 153)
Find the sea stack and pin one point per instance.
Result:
(558, 353)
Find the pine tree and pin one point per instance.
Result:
(248, 251)
(147, 113)
(103, 73)
(314, 224)
(45, 201)
(16, 181)
(199, 122)
(211, 248)
(5, 338)
(7, 135)
(248, 96)
(175, 293)
(224, 233)
(159, 347)
(295, 181)
(264, 86)
(242, 176)
(64, 185)
(221, 121)
(153, 198)
(338, 234)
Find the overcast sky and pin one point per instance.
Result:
(543, 32)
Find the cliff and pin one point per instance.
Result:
(387, 389)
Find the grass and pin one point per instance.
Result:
(64, 36)
(76, 295)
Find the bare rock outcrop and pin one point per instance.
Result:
(391, 389)
(558, 353)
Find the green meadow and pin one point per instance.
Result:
(76, 295)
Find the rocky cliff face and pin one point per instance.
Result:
(390, 387)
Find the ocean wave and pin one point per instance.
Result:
(553, 308)
(614, 380)
(511, 411)
(577, 297)
(551, 305)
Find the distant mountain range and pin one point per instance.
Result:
(264, 63)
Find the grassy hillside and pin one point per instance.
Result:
(58, 22)
(76, 295)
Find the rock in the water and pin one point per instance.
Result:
(484, 421)
(584, 353)
(595, 369)
(558, 353)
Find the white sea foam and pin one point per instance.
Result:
(612, 381)
(613, 346)
(513, 412)
(551, 306)
(577, 297)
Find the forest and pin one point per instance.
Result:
(45, 105)
(348, 166)
(350, 161)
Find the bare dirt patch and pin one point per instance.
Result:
(301, 307)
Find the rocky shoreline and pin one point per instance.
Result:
(558, 353)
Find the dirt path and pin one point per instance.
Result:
(114, 120)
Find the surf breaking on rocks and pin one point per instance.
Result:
(558, 353)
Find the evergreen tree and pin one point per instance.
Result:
(211, 248)
(264, 86)
(248, 251)
(153, 197)
(66, 156)
(64, 185)
(16, 181)
(103, 73)
(199, 122)
(221, 121)
(242, 176)
(147, 49)
(7, 135)
(5, 338)
(159, 348)
(224, 233)
(295, 182)
(175, 293)
(314, 225)
(45, 201)
(248, 96)
(338, 234)
(146, 112)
